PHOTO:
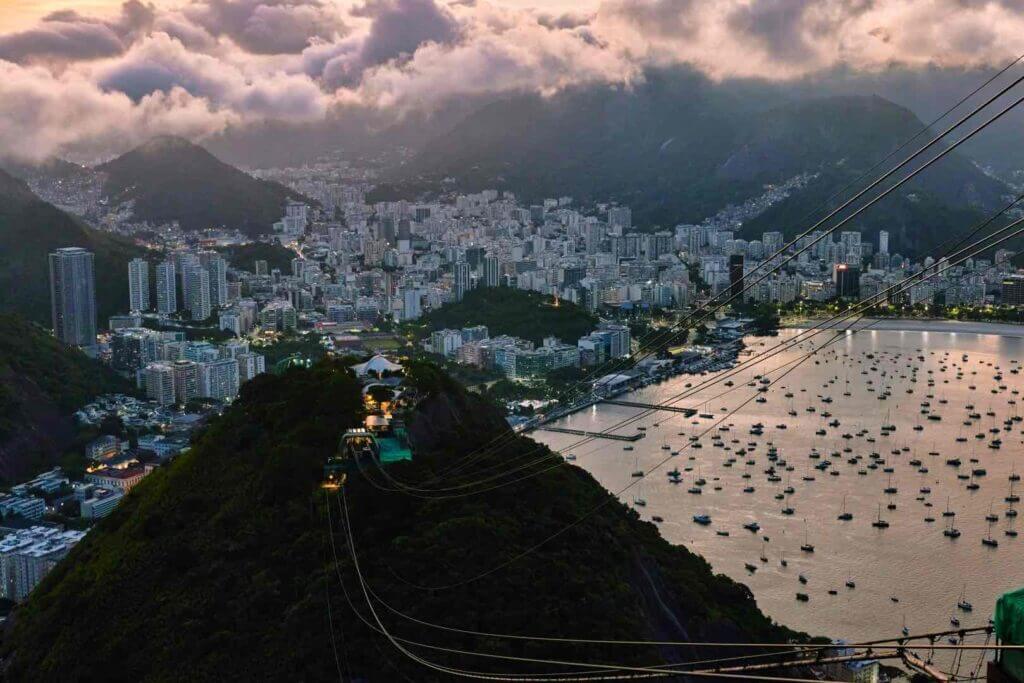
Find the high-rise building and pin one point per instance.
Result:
(166, 288)
(883, 242)
(158, 381)
(492, 270)
(138, 285)
(772, 242)
(404, 230)
(847, 281)
(460, 272)
(217, 267)
(475, 257)
(1013, 290)
(736, 276)
(27, 555)
(186, 380)
(250, 365)
(73, 296)
(412, 307)
(262, 269)
(386, 229)
(219, 379)
(199, 304)
(616, 339)
(620, 220)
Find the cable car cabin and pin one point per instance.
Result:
(357, 448)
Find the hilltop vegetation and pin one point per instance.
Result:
(677, 149)
(517, 312)
(224, 562)
(42, 382)
(244, 256)
(171, 179)
(29, 230)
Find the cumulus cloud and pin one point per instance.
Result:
(201, 65)
(61, 40)
(162, 64)
(397, 28)
(44, 113)
(269, 26)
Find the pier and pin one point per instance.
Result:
(599, 435)
(688, 412)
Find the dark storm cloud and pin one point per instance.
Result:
(397, 29)
(658, 18)
(61, 40)
(401, 26)
(777, 25)
(268, 26)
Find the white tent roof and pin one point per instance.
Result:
(377, 365)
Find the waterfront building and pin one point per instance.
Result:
(1013, 290)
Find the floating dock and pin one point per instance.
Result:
(688, 412)
(599, 435)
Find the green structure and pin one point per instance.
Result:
(361, 447)
(296, 360)
(1009, 624)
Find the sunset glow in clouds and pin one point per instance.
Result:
(93, 81)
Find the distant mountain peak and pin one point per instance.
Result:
(172, 179)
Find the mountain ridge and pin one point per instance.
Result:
(171, 179)
(678, 150)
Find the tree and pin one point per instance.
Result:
(380, 393)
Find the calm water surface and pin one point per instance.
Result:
(911, 560)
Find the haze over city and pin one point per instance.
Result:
(429, 340)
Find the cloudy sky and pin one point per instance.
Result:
(93, 75)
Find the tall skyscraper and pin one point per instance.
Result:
(492, 270)
(138, 285)
(198, 287)
(883, 242)
(847, 281)
(73, 296)
(186, 380)
(460, 271)
(736, 276)
(620, 220)
(218, 269)
(166, 288)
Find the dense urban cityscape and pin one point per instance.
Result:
(429, 341)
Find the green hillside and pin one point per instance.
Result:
(677, 149)
(42, 382)
(219, 567)
(517, 312)
(244, 256)
(170, 179)
(29, 230)
(917, 221)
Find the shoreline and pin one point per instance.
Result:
(924, 325)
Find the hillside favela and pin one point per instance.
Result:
(511, 340)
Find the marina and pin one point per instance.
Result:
(833, 487)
